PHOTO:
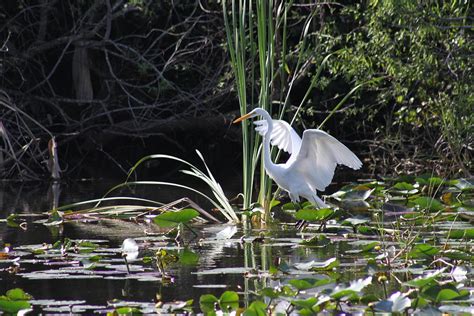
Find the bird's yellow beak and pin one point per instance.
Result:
(243, 117)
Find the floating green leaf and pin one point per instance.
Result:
(423, 251)
(13, 307)
(431, 181)
(425, 280)
(427, 203)
(456, 254)
(125, 310)
(270, 292)
(18, 294)
(256, 308)
(307, 303)
(12, 221)
(317, 240)
(404, 188)
(445, 292)
(14, 301)
(304, 284)
(312, 215)
(461, 233)
(229, 301)
(207, 302)
(352, 291)
(55, 218)
(173, 219)
(188, 257)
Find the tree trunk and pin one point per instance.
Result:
(81, 74)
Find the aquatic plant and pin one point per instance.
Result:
(220, 201)
(263, 60)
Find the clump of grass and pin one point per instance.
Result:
(220, 201)
(141, 206)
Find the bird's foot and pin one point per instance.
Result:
(301, 224)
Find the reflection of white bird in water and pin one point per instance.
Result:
(312, 162)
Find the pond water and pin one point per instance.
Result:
(50, 275)
(79, 266)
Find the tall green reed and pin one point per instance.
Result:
(266, 68)
(256, 37)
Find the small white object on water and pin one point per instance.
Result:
(130, 249)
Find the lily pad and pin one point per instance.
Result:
(312, 215)
(173, 219)
(428, 203)
(14, 301)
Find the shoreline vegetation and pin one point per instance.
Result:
(88, 77)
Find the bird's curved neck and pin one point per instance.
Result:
(267, 157)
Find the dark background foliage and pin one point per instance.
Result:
(114, 80)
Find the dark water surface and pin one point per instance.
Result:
(187, 281)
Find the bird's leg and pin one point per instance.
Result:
(322, 227)
(300, 224)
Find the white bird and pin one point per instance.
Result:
(313, 159)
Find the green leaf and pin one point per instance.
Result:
(354, 221)
(289, 206)
(88, 244)
(368, 230)
(404, 186)
(128, 311)
(461, 234)
(312, 215)
(18, 294)
(352, 291)
(270, 292)
(208, 298)
(12, 221)
(256, 308)
(188, 257)
(229, 301)
(173, 219)
(358, 193)
(423, 251)
(308, 303)
(13, 307)
(431, 181)
(444, 292)
(207, 303)
(317, 240)
(55, 218)
(370, 246)
(428, 203)
(308, 312)
(304, 284)
(446, 295)
(425, 280)
(456, 254)
(14, 301)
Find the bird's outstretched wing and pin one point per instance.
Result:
(318, 157)
(283, 135)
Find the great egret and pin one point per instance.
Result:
(312, 162)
